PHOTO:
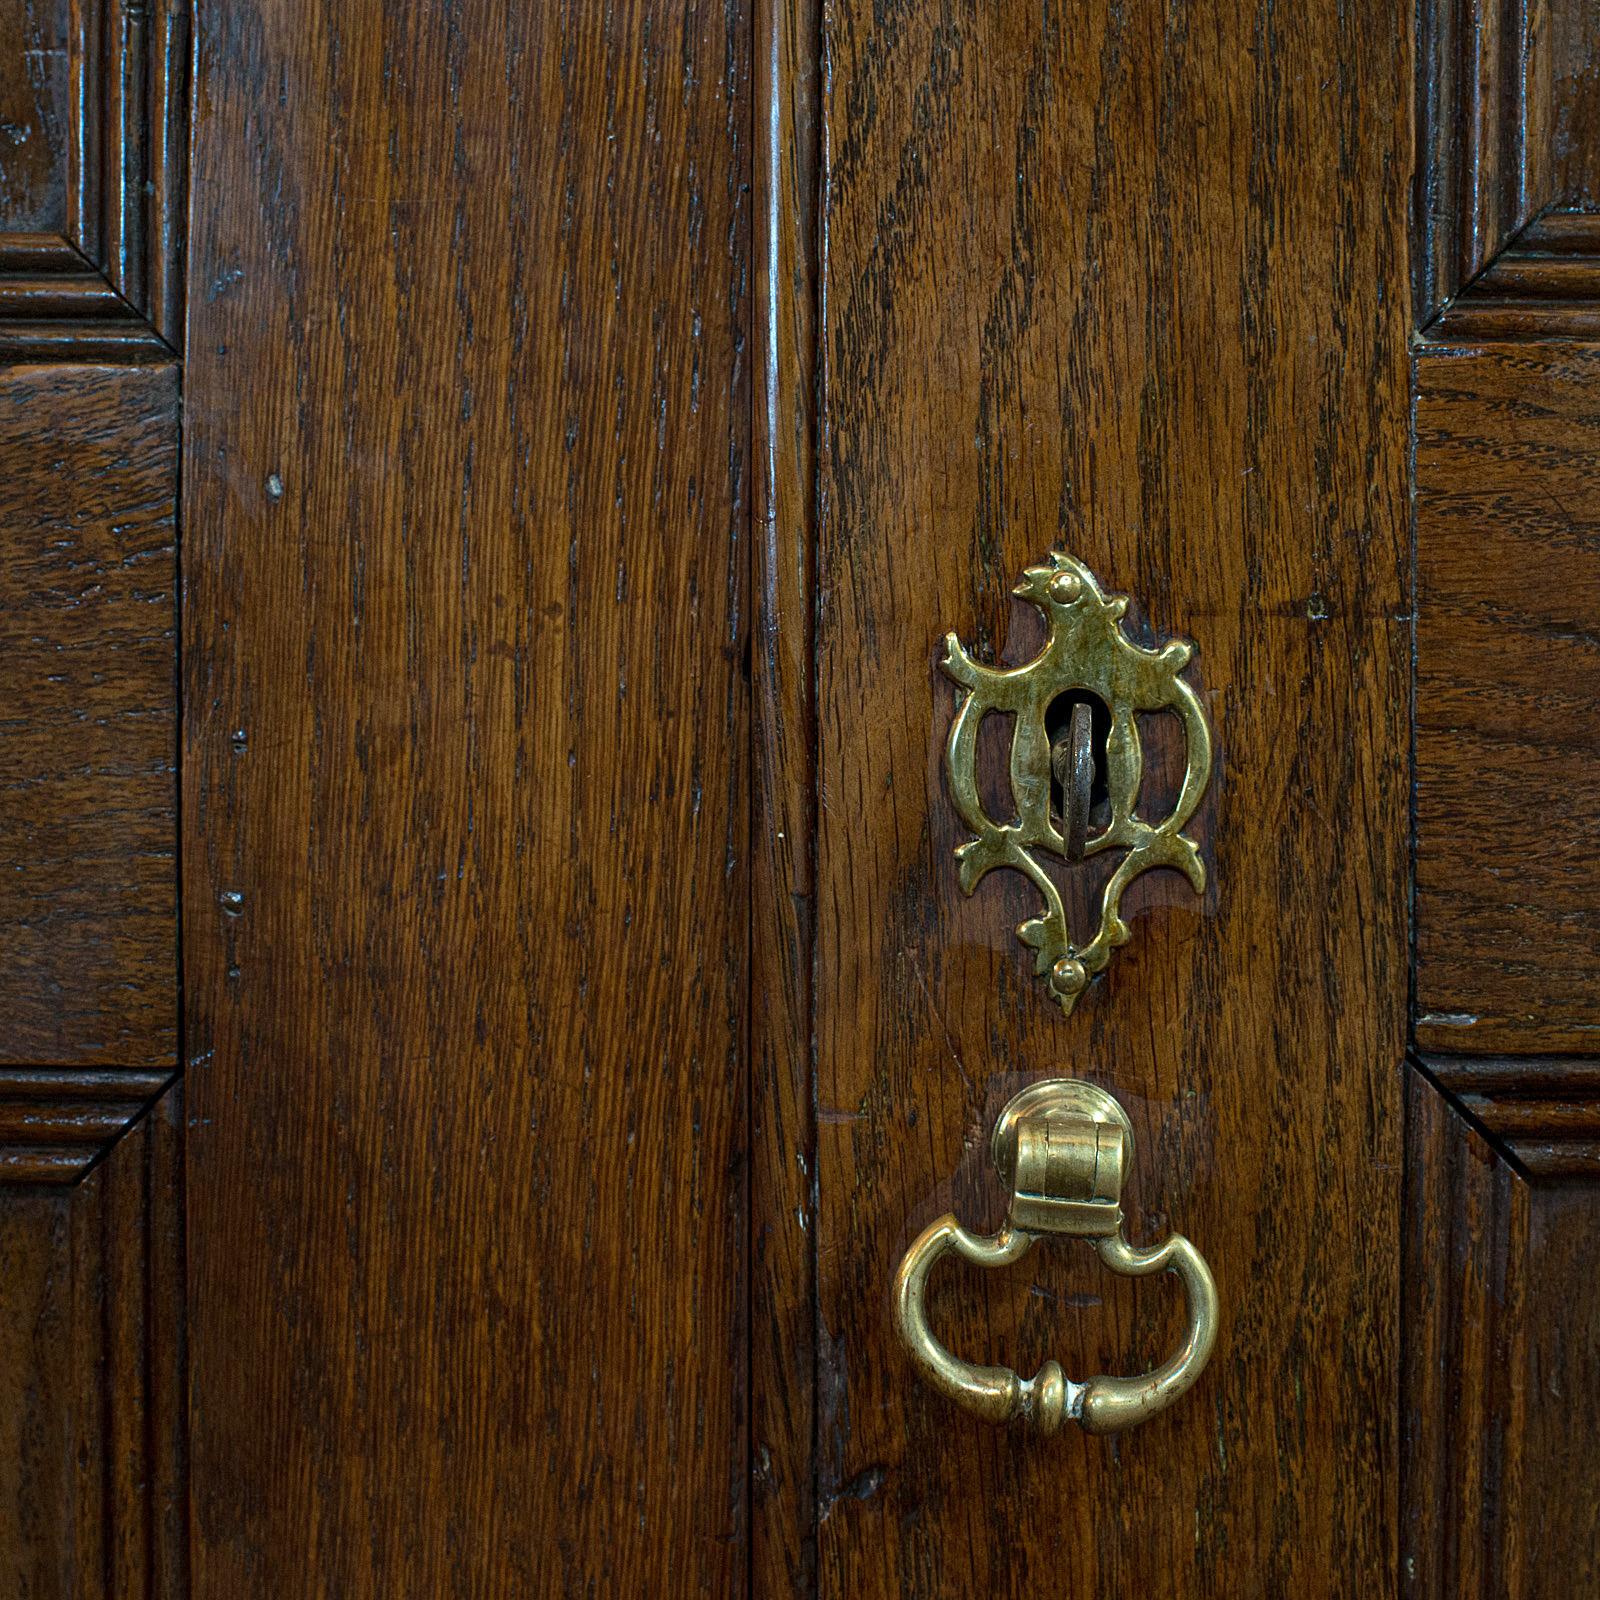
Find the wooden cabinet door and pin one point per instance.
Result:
(1278, 323)
(1131, 282)
(488, 997)
(431, 1283)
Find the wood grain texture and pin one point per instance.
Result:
(783, 1133)
(35, 114)
(96, 271)
(1137, 283)
(1501, 1374)
(466, 892)
(1507, 700)
(1573, 77)
(88, 727)
(1508, 108)
(93, 1454)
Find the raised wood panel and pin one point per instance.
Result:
(93, 1458)
(466, 882)
(1573, 86)
(88, 722)
(1095, 276)
(1508, 700)
(1500, 1382)
(91, 241)
(35, 114)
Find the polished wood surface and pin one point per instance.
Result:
(593, 419)
(35, 112)
(1507, 700)
(1508, 101)
(1500, 1325)
(93, 1392)
(1543, 1112)
(465, 880)
(88, 784)
(1089, 277)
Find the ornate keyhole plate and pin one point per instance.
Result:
(1086, 651)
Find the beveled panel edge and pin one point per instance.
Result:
(112, 288)
(1489, 198)
(1463, 1337)
(1544, 284)
(1470, 188)
(1541, 1114)
(58, 1123)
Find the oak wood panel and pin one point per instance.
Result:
(1501, 1372)
(93, 1454)
(782, 1127)
(88, 725)
(35, 106)
(466, 738)
(1134, 282)
(1508, 700)
(1573, 77)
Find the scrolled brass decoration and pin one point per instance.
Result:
(1062, 1146)
(1086, 651)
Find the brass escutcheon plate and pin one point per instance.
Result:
(1085, 651)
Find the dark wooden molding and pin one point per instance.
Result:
(93, 1376)
(1506, 243)
(57, 1123)
(1544, 284)
(1471, 185)
(1464, 1335)
(1540, 1113)
(1500, 1486)
(111, 283)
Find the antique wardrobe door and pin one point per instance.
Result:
(1128, 283)
(456, 1184)
(601, 603)
(1088, 299)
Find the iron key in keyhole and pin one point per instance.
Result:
(1072, 764)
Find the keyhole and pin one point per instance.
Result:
(1057, 724)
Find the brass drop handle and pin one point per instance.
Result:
(1062, 1146)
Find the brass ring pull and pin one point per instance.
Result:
(1062, 1145)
